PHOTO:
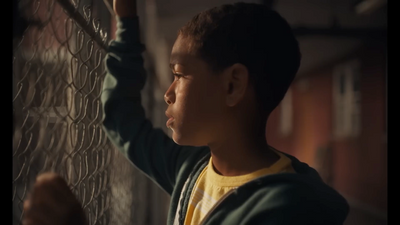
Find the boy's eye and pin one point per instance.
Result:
(177, 76)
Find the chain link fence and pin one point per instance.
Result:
(57, 79)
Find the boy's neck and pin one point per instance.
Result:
(240, 156)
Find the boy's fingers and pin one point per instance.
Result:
(50, 178)
(55, 184)
(42, 215)
(52, 202)
(27, 205)
(52, 190)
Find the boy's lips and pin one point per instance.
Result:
(170, 119)
(169, 122)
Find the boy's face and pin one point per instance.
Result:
(195, 98)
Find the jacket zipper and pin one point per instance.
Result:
(217, 204)
(191, 176)
(181, 199)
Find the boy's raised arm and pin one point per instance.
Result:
(150, 149)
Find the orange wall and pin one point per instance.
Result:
(359, 165)
(311, 119)
(363, 160)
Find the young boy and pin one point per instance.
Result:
(232, 66)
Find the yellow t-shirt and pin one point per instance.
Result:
(210, 187)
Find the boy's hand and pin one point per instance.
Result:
(52, 202)
(125, 8)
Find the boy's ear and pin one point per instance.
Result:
(236, 79)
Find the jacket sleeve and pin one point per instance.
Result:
(149, 149)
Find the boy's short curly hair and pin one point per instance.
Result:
(253, 35)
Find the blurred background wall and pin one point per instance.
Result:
(333, 117)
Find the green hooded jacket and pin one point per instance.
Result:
(301, 198)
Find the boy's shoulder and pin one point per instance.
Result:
(294, 187)
(284, 198)
(295, 193)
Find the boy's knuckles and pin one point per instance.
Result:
(27, 205)
(49, 180)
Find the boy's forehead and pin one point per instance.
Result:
(183, 46)
(183, 53)
(179, 58)
(182, 59)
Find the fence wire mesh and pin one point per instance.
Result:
(57, 78)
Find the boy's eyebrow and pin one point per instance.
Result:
(172, 65)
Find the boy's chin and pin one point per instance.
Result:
(179, 140)
(184, 140)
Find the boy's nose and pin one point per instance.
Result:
(167, 99)
(169, 96)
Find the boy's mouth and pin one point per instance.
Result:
(169, 122)
(170, 119)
